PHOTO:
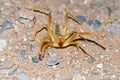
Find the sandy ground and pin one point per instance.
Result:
(19, 56)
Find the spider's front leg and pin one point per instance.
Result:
(43, 11)
(38, 30)
(48, 13)
(44, 44)
(46, 26)
(69, 15)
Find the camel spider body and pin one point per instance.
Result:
(60, 38)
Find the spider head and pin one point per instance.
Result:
(60, 41)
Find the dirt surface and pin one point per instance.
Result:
(19, 57)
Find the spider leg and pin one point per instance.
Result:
(88, 33)
(38, 30)
(79, 33)
(43, 11)
(46, 26)
(42, 42)
(83, 38)
(71, 41)
(44, 46)
(69, 15)
(85, 51)
(79, 46)
(70, 34)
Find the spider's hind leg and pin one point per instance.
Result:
(79, 46)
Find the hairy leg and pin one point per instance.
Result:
(79, 46)
(69, 15)
(81, 34)
(44, 46)
(47, 26)
(41, 44)
(85, 39)
(38, 30)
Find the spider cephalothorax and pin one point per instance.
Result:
(59, 38)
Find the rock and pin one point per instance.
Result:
(53, 60)
(32, 47)
(99, 66)
(3, 44)
(22, 55)
(90, 60)
(94, 23)
(81, 18)
(35, 59)
(12, 71)
(114, 29)
(4, 26)
(23, 77)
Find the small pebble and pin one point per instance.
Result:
(81, 18)
(32, 47)
(53, 60)
(23, 77)
(13, 71)
(4, 25)
(71, 1)
(35, 59)
(113, 76)
(47, 6)
(85, 2)
(114, 29)
(2, 5)
(3, 44)
(22, 55)
(84, 78)
(2, 58)
(99, 65)
(77, 77)
(119, 21)
(94, 23)
(90, 60)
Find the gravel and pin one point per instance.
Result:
(4, 25)
(114, 29)
(22, 55)
(12, 71)
(81, 18)
(101, 16)
(35, 59)
(94, 23)
(23, 77)
(53, 59)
